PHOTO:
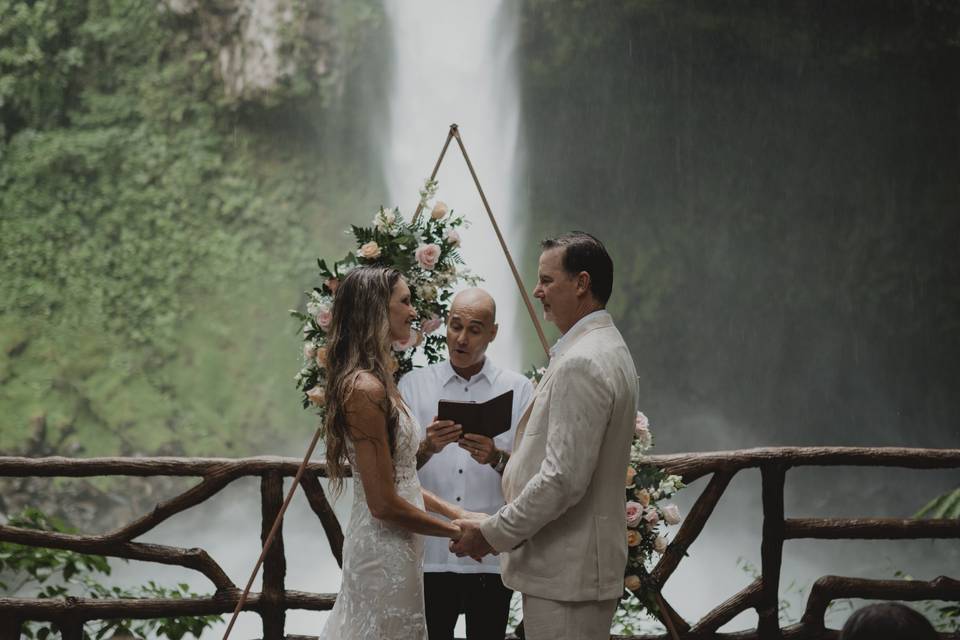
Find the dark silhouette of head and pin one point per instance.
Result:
(887, 621)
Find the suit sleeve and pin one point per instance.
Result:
(581, 398)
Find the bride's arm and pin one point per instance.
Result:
(367, 424)
(432, 503)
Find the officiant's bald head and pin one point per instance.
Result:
(471, 326)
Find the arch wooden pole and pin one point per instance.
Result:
(273, 532)
(455, 132)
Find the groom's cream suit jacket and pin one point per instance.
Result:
(562, 533)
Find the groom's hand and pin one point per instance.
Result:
(471, 542)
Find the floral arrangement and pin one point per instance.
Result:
(425, 250)
(647, 518)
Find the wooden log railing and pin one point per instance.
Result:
(271, 604)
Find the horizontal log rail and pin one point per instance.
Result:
(217, 473)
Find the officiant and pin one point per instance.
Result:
(464, 469)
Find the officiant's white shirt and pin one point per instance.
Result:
(452, 474)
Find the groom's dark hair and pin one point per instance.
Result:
(583, 252)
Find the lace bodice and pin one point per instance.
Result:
(381, 595)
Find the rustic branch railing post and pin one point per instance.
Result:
(273, 608)
(10, 625)
(773, 476)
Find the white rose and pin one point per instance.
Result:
(384, 218)
(369, 250)
(453, 237)
(427, 291)
(671, 514)
(660, 544)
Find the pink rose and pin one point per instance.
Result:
(323, 317)
(309, 350)
(369, 250)
(427, 255)
(453, 237)
(431, 324)
(316, 396)
(413, 340)
(634, 513)
(643, 426)
(671, 514)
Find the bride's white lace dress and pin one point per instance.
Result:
(381, 595)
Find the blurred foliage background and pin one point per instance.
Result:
(155, 228)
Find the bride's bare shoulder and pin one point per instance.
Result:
(366, 388)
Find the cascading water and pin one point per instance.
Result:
(454, 62)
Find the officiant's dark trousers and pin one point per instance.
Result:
(481, 596)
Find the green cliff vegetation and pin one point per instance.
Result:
(154, 230)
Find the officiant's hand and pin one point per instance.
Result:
(471, 542)
(480, 448)
(440, 433)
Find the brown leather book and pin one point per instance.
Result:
(490, 418)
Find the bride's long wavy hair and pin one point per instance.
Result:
(358, 340)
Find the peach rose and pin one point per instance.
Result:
(643, 497)
(631, 474)
(439, 210)
(634, 513)
(369, 250)
(316, 396)
(333, 284)
(427, 256)
(431, 324)
(660, 544)
(633, 538)
(671, 514)
(321, 357)
(631, 583)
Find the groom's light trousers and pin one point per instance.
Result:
(555, 620)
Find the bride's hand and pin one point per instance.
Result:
(472, 515)
(456, 535)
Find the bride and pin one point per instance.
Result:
(368, 425)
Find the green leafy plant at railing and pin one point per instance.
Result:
(944, 506)
(944, 616)
(56, 573)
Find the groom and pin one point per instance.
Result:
(563, 528)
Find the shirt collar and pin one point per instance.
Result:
(578, 327)
(488, 371)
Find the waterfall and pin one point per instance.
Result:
(454, 62)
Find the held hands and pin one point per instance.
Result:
(480, 448)
(471, 542)
(440, 433)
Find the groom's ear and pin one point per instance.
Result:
(583, 283)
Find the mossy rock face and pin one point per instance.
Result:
(266, 49)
